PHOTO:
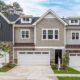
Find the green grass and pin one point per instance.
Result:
(68, 78)
(7, 67)
(68, 71)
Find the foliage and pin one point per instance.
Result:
(2, 5)
(4, 47)
(7, 67)
(65, 60)
(16, 5)
(5, 7)
(62, 71)
(68, 78)
(54, 66)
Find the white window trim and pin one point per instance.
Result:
(75, 32)
(53, 33)
(24, 30)
(22, 21)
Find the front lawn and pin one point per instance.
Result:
(68, 71)
(68, 78)
(7, 67)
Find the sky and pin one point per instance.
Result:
(63, 8)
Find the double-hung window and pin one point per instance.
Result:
(75, 35)
(25, 34)
(50, 34)
(56, 34)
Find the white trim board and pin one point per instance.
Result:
(8, 20)
(25, 34)
(52, 34)
(52, 47)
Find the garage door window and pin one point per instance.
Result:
(37, 52)
(25, 33)
(29, 52)
(21, 52)
(78, 54)
(44, 52)
(72, 54)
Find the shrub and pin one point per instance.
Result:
(65, 60)
(54, 66)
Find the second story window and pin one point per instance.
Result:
(74, 22)
(56, 34)
(75, 35)
(25, 34)
(26, 20)
(50, 34)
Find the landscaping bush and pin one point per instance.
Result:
(65, 61)
(10, 65)
(54, 66)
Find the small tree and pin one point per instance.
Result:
(65, 60)
(4, 48)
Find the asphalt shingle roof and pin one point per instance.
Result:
(11, 17)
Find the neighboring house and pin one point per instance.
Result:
(41, 40)
(6, 30)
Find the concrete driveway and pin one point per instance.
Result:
(33, 72)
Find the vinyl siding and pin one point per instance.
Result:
(69, 37)
(49, 23)
(18, 35)
(6, 31)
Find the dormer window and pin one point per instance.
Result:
(26, 20)
(74, 22)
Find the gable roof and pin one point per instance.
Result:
(10, 18)
(53, 13)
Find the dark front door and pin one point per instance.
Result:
(58, 54)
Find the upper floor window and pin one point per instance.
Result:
(50, 34)
(26, 20)
(74, 22)
(75, 35)
(25, 34)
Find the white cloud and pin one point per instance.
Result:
(33, 7)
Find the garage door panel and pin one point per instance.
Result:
(35, 58)
(74, 60)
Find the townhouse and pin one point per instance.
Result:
(41, 40)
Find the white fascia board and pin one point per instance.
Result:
(6, 19)
(18, 25)
(40, 47)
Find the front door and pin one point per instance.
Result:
(58, 54)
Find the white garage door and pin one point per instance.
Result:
(74, 59)
(33, 58)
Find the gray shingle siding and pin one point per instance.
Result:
(5, 30)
